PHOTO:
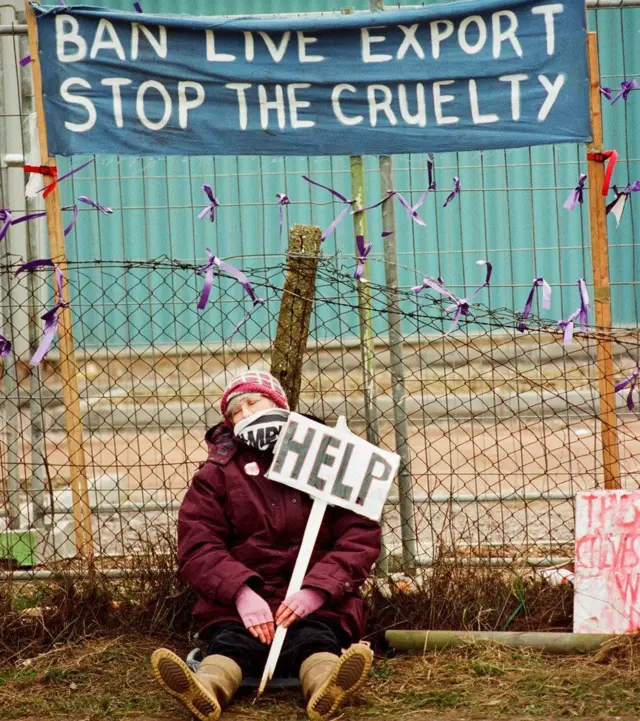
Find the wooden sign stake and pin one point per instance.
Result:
(299, 571)
(68, 369)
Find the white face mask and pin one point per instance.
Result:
(261, 430)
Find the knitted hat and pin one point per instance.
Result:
(254, 382)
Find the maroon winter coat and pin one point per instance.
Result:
(236, 528)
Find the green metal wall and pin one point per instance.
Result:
(510, 211)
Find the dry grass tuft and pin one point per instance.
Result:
(462, 597)
(152, 596)
(624, 651)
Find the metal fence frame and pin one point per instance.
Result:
(13, 393)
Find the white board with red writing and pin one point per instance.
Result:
(607, 567)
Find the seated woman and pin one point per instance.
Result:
(238, 539)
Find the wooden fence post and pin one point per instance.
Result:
(601, 289)
(299, 290)
(68, 368)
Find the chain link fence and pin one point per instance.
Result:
(502, 426)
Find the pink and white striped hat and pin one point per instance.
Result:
(254, 382)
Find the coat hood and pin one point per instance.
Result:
(221, 444)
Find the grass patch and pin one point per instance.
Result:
(110, 678)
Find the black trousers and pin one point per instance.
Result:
(305, 637)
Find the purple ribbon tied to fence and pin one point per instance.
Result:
(7, 220)
(74, 217)
(33, 216)
(546, 301)
(454, 192)
(52, 317)
(229, 270)
(336, 221)
(5, 346)
(234, 273)
(629, 381)
(102, 208)
(616, 207)
(460, 306)
(431, 172)
(72, 222)
(283, 199)
(577, 194)
(626, 86)
(363, 251)
(581, 313)
(210, 209)
(411, 210)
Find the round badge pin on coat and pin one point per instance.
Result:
(252, 469)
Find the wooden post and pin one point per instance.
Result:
(299, 290)
(367, 350)
(396, 365)
(68, 369)
(601, 291)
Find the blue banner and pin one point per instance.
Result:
(458, 76)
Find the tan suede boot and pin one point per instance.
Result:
(205, 693)
(328, 680)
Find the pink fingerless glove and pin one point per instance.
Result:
(306, 601)
(253, 609)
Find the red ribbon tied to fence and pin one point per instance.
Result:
(52, 317)
(610, 158)
(577, 194)
(581, 312)
(47, 170)
(629, 380)
(52, 171)
(460, 305)
(546, 301)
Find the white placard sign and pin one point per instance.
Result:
(333, 465)
(607, 566)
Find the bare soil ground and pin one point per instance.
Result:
(110, 678)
